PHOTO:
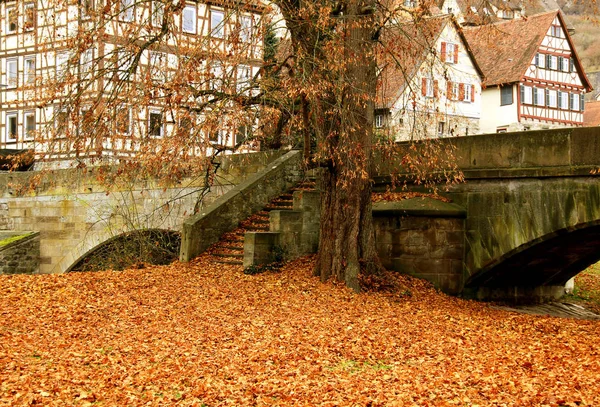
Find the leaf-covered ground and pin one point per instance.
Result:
(200, 334)
(587, 289)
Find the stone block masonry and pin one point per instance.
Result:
(19, 253)
(74, 214)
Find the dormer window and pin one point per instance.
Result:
(410, 3)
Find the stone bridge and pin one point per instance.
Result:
(74, 215)
(529, 211)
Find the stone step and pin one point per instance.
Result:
(234, 255)
(228, 247)
(233, 262)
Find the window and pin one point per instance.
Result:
(552, 62)
(158, 13)
(155, 123)
(551, 98)
(469, 93)
(11, 126)
(29, 70)
(12, 73)
(574, 101)
(86, 7)
(189, 19)
(526, 95)
(157, 65)
(29, 125)
(563, 100)
(217, 137)
(473, 10)
(85, 61)
(565, 64)
(540, 60)
(62, 63)
(124, 65)
(217, 25)
(242, 135)
(245, 28)
(86, 119)
(538, 97)
(440, 129)
(123, 120)
(243, 77)
(455, 91)
(29, 17)
(379, 121)
(428, 87)
(11, 20)
(506, 95)
(127, 9)
(186, 125)
(216, 76)
(556, 31)
(410, 3)
(60, 122)
(449, 52)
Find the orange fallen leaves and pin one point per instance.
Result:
(201, 334)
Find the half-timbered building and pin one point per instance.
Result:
(533, 77)
(53, 52)
(432, 85)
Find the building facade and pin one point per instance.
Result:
(533, 77)
(100, 78)
(436, 90)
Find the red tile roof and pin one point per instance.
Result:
(591, 115)
(504, 50)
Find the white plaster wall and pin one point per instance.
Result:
(493, 115)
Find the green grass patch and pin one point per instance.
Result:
(587, 289)
(9, 240)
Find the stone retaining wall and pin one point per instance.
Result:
(204, 229)
(19, 253)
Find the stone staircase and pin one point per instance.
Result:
(230, 248)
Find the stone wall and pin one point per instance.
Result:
(224, 214)
(74, 214)
(424, 238)
(19, 253)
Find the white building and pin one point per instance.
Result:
(433, 87)
(71, 73)
(533, 77)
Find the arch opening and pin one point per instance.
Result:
(548, 261)
(131, 249)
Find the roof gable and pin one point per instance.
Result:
(406, 48)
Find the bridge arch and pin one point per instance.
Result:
(540, 267)
(155, 246)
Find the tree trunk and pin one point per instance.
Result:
(347, 242)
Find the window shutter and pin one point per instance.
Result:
(559, 99)
(537, 60)
(571, 95)
(547, 97)
(560, 63)
(449, 90)
(571, 65)
(456, 53)
(535, 96)
(435, 88)
(522, 93)
(461, 91)
(424, 86)
(582, 102)
(548, 61)
(443, 52)
(472, 93)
